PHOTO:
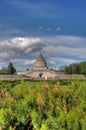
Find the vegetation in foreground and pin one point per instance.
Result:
(26, 105)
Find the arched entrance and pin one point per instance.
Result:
(40, 75)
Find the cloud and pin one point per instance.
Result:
(64, 51)
(13, 49)
(18, 3)
(64, 60)
(40, 27)
(48, 29)
(19, 47)
(39, 8)
(23, 62)
(58, 49)
(67, 40)
(64, 48)
(58, 29)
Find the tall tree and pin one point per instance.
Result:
(11, 68)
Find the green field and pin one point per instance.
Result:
(43, 105)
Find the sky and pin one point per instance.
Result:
(56, 28)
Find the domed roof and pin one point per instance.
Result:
(40, 62)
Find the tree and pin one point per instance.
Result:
(11, 68)
(73, 69)
(83, 68)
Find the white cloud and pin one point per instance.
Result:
(65, 60)
(59, 50)
(23, 62)
(59, 29)
(48, 29)
(67, 40)
(40, 27)
(15, 48)
(19, 46)
(66, 49)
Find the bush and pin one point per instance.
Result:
(43, 105)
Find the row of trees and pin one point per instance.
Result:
(10, 69)
(76, 68)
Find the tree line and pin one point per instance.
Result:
(76, 68)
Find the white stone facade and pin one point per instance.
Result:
(39, 70)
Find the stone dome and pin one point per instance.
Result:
(40, 63)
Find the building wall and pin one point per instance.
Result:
(42, 74)
(18, 77)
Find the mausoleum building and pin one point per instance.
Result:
(39, 70)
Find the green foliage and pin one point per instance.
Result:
(76, 68)
(83, 67)
(43, 105)
(10, 69)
